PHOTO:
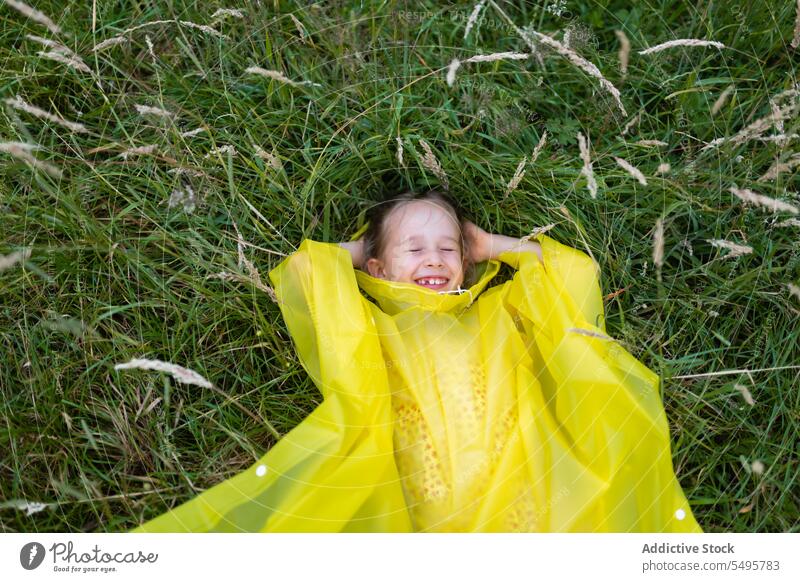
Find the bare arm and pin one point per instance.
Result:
(356, 249)
(486, 246)
(501, 243)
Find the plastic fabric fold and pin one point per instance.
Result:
(498, 409)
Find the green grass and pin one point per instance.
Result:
(115, 273)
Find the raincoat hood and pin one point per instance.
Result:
(394, 297)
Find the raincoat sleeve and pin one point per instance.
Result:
(335, 471)
(607, 401)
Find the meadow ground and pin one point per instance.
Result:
(136, 138)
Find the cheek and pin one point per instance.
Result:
(403, 267)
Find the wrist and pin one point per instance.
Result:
(500, 243)
(488, 251)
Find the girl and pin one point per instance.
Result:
(450, 407)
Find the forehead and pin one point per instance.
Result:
(415, 218)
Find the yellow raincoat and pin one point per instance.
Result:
(498, 410)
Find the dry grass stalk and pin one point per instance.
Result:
(138, 151)
(517, 178)
(778, 118)
(789, 95)
(20, 104)
(590, 333)
(736, 250)
(584, 65)
(765, 201)
(181, 374)
(745, 394)
(184, 196)
(109, 42)
(61, 54)
(240, 249)
(34, 15)
(789, 222)
(758, 127)
(300, 28)
(11, 259)
(658, 244)
(591, 184)
(22, 151)
(651, 143)
(202, 28)
(663, 168)
(273, 160)
(226, 149)
(254, 275)
(793, 289)
(497, 57)
(65, 54)
(778, 168)
(796, 40)
(150, 48)
(451, 71)
(193, 132)
(121, 37)
(455, 64)
(232, 12)
(226, 276)
(18, 145)
(681, 42)
(157, 111)
(633, 171)
(779, 139)
(144, 25)
(712, 144)
(71, 61)
(278, 76)
(473, 17)
(431, 163)
(536, 232)
(400, 161)
(721, 100)
(634, 121)
(29, 507)
(188, 172)
(50, 43)
(624, 51)
(538, 149)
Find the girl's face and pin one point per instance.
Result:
(423, 246)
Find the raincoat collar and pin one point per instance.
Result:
(394, 297)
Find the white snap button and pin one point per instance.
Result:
(261, 470)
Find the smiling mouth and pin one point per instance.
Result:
(432, 282)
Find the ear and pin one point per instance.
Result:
(375, 268)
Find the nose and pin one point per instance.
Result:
(434, 259)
